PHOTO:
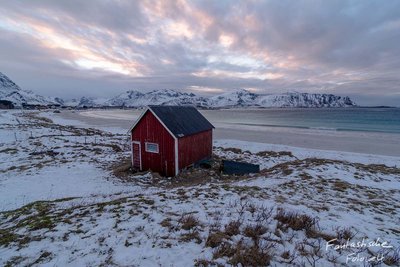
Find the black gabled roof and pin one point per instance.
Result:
(182, 120)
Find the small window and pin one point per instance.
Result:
(151, 147)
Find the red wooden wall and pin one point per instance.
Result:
(149, 129)
(195, 147)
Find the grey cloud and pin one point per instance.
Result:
(328, 40)
(113, 15)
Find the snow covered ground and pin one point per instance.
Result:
(42, 160)
(64, 206)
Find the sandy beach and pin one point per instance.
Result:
(357, 142)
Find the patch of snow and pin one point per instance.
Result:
(54, 182)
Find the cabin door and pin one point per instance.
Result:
(136, 155)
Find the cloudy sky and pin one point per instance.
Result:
(102, 48)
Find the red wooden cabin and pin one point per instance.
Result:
(166, 139)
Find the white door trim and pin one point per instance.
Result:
(176, 156)
(140, 153)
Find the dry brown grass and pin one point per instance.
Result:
(187, 237)
(225, 249)
(305, 176)
(43, 257)
(215, 239)
(344, 234)
(166, 223)
(285, 255)
(232, 228)
(114, 147)
(122, 169)
(9, 150)
(251, 255)
(206, 263)
(274, 154)
(233, 149)
(341, 186)
(393, 258)
(7, 237)
(310, 163)
(314, 233)
(254, 231)
(189, 222)
(296, 221)
(287, 171)
(377, 168)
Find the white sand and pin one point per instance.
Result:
(358, 142)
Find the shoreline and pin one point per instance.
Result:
(365, 142)
(317, 128)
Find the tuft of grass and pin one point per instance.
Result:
(274, 154)
(187, 237)
(287, 171)
(285, 255)
(114, 147)
(232, 228)
(166, 223)
(254, 231)
(234, 150)
(9, 150)
(224, 250)
(7, 237)
(189, 222)
(127, 243)
(37, 208)
(251, 255)
(296, 221)
(147, 201)
(41, 223)
(344, 234)
(305, 176)
(215, 239)
(393, 259)
(314, 233)
(341, 186)
(42, 257)
(206, 263)
(14, 261)
(122, 169)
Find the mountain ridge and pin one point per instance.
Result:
(10, 91)
(235, 99)
(239, 98)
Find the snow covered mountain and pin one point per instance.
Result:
(12, 92)
(304, 100)
(91, 102)
(244, 98)
(156, 97)
(238, 98)
(72, 102)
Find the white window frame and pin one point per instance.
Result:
(146, 145)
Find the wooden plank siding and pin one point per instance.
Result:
(194, 147)
(149, 129)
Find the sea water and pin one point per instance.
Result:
(330, 119)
